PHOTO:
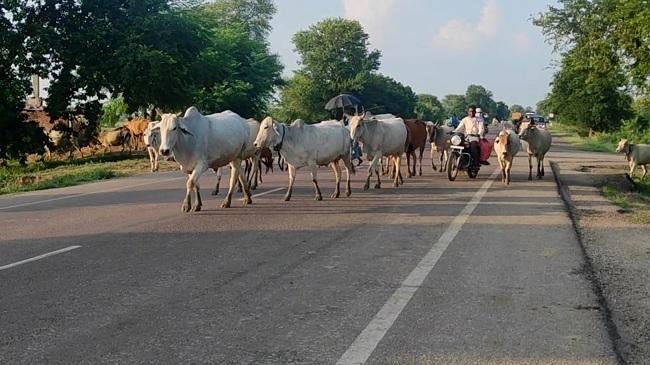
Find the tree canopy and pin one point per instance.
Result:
(605, 58)
(428, 107)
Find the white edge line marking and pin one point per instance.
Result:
(266, 192)
(90, 193)
(39, 257)
(364, 345)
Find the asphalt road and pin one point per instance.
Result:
(432, 272)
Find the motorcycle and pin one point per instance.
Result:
(460, 159)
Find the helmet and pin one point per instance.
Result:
(478, 110)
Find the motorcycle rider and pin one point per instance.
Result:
(473, 129)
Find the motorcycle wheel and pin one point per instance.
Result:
(452, 167)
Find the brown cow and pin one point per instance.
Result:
(136, 128)
(417, 139)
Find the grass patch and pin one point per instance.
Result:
(638, 201)
(56, 174)
(598, 142)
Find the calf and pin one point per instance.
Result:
(506, 146)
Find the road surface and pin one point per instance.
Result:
(432, 272)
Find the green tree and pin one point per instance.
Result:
(622, 25)
(18, 138)
(455, 105)
(543, 107)
(113, 110)
(335, 59)
(254, 16)
(482, 98)
(382, 94)
(502, 111)
(428, 107)
(589, 95)
(516, 108)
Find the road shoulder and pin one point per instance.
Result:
(617, 252)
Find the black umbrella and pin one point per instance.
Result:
(342, 101)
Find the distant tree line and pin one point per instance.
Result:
(108, 59)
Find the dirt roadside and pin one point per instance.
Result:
(616, 248)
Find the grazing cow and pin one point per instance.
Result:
(152, 142)
(440, 142)
(114, 137)
(384, 137)
(506, 146)
(538, 142)
(313, 145)
(636, 155)
(417, 140)
(199, 142)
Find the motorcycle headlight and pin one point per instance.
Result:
(455, 140)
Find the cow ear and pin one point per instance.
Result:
(275, 128)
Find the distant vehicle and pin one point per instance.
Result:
(539, 120)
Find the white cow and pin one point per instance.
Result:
(250, 154)
(152, 142)
(313, 145)
(199, 142)
(384, 137)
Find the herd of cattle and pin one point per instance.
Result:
(200, 142)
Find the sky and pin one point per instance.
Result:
(438, 47)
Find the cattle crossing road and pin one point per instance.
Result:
(433, 272)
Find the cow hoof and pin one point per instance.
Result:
(287, 198)
(318, 198)
(366, 186)
(377, 186)
(225, 204)
(197, 208)
(335, 195)
(186, 208)
(214, 192)
(530, 178)
(396, 185)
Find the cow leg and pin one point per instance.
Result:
(645, 171)
(508, 169)
(530, 167)
(539, 169)
(245, 188)
(216, 188)
(632, 168)
(199, 201)
(349, 167)
(433, 164)
(151, 159)
(398, 172)
(542, 164)
(443, 161)
(256, 171)
(421, 154)
(372, 167)
(235, 169)
(337, 174)
(314, 179)
(292, 179)
(192, 182)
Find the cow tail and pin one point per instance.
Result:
(408, 140)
